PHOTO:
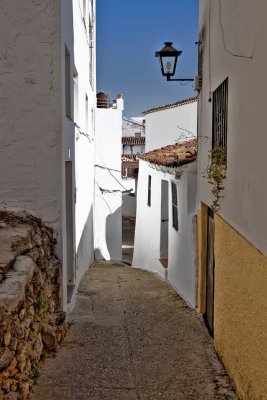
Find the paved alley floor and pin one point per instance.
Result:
(128, 229)
(132, 338)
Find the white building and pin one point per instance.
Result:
(171, 123)
(165, 219)
(134, 126)
(108, 183)
(232, 238)
(133, 135)
(47, 122)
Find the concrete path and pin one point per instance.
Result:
(128, 229)
(132, 338)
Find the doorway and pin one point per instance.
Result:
(69, 228)
(164, 224)
(209, 315)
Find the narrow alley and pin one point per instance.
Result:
(132, 337)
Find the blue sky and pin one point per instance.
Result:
(128, 34)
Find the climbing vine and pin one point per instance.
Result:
(216, 174)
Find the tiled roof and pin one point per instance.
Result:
(172, 105)
(173, 155)
(130, 164)
(133, 140)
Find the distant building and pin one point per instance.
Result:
(134, 126)
(133, 135)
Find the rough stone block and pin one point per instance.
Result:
(6, 359)
(12, 290)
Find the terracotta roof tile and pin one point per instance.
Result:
(172, 105)
(130, 164)
(133, 140)
(173, 155)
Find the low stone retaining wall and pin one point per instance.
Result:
(31, 323)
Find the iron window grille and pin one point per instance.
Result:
(175, 222)
(149, 191)
(220, 116)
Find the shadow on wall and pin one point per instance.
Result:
(112, 241)
(114, 234)
(85, 248)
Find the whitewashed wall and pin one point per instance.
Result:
(129, 199)
(37, 137)
(245, 33)
(78, 136)
(108, 206)
(130, 126)
(181, 272)
(30, 126)
(136, 149)
(164, 127)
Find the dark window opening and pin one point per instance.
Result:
(67, 84)
(149, 191)
(175, 222)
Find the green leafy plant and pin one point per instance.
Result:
(216, 174)
(35, 373)
(41, 302)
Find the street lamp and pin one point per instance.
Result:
(168, 57)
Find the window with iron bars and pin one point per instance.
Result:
(220, 116)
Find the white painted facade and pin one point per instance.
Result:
(169, 125)
(46, 164)
(154, 239)
(129, 199)
(133, 126)
(108, 183)
(78, 131)
(133, 149)
(244, 34)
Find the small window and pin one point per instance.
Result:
(67, 84)
(76, 95)
(149, 191)
(219, 116)
(175, 223)
(137, 134)
(86, 113)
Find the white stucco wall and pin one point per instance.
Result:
(78, 138)
(30, 125)
(181, 272)
(129, 199)
(108, 206)
(37, 137)
(136, 149)
(130, 126)
(164, 127)
(245, 33)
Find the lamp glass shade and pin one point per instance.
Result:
(168, 57)
(168, 65)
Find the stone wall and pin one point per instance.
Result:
(31, 323)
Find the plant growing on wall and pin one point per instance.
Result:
(216, 174)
